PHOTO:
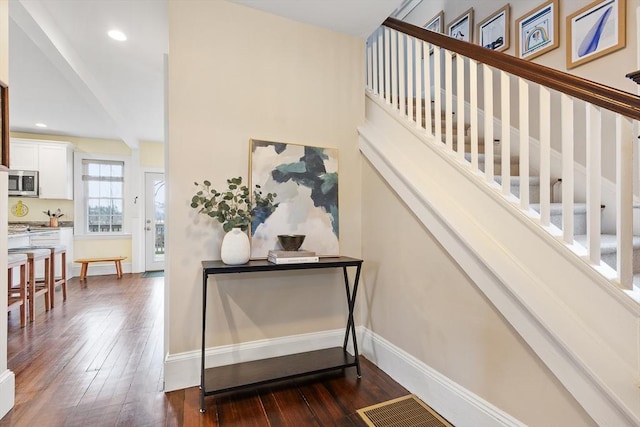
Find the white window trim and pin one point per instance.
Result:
(79, 222)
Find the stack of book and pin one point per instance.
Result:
(292, 257)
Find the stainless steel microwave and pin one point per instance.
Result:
(23, 183)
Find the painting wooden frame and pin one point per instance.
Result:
(435, 24)
(4, 125)
(461, 28)
(305, 180)
(493, 31)
(596, 30)
(537, 32)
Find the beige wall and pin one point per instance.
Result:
(234, 74)
(152, 155)
(419, 299)
(610, 69)
(36, 207)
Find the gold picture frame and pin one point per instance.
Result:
(493, 31)
(596, 30)
(461, 28)
(537, 32)
(436, 23)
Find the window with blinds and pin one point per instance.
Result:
(103, 182)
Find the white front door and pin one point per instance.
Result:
(154, 221)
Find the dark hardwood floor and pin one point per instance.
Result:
(97, 360)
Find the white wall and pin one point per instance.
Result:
(236, 73)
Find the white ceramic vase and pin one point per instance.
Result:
(235, 247)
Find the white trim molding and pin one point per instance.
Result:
(79, 224)
(182, 370)
(455, 403)
(7, 392)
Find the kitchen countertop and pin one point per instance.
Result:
(33, 228)
(23, 233)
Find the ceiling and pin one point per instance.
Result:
(65, 71)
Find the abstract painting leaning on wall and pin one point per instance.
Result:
(305, 179)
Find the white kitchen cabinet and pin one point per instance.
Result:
(56, 171)
(66, 238)
(60, 236)
(17, 242)
(23, 156)
(54, 161)
(56, 236)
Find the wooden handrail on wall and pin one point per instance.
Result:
(598, 94)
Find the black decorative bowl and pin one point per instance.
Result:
(291, 242)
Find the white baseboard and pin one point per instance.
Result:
(455, 403)
(458, 405)
(182, 370)
(7, 392)
(100, 269)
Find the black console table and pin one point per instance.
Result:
(247, 374)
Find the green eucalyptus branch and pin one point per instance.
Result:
(232, 207)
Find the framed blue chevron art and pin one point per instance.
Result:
(595, 30)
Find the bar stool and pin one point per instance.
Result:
(18, 296)
(56, 280)
(34, 287)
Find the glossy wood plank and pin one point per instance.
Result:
(97, 359)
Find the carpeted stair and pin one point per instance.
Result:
(607, 241)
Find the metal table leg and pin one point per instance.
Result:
(351, 327)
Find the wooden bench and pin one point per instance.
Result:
(86, 261)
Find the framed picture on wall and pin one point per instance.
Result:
(596, 30)
(493, 32)
(537, 31)
(461, 28)
(436, 24)
(4, 125)
(305, 180)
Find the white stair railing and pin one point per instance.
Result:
(450, 90)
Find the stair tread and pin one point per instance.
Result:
(608, 243)
(496, 157)
(516, 179)
(556, 208)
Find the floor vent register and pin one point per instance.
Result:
(407, 411)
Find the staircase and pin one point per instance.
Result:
(557, 283)
(608, 243)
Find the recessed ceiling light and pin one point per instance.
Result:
(41, 125)
(117, 35)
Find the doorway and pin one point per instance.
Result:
(154, 221)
